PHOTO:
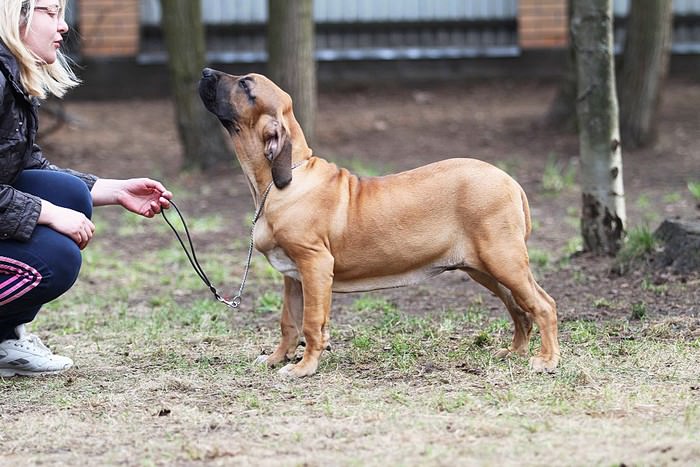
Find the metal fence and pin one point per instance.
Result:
(349, 11)
(382, 29)
(356, 29)
(686, 25)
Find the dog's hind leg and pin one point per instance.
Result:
(530, 296)
(508, 263)
(521, 321)
(290, 324)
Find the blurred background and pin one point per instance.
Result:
(355, 40)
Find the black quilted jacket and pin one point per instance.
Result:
(19, 211)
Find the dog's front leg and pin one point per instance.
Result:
(316, 271)
(290, 324)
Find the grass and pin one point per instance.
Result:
(539, 259)
(269, 302)
(639, 243)
(644, 204)
(694, 188)
(165, 375)
(657, 289)
(131, 225)
(639, 310)
(364, 168)
(557, 176)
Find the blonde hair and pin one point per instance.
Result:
(38, 79)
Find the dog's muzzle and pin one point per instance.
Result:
(207, 88)
(214, 92)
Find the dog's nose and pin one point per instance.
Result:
(207, 73)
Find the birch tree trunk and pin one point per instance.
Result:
(603, 211)
(200, 133)
(644, 68)
(291, 57)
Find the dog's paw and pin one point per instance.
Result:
(509, 352)
(296, 370)
(286, 370)
(542, 365)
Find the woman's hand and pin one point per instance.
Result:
(139, 195)
(71, 223)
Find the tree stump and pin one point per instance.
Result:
(680, 241)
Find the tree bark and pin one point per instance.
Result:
(603, 212)
(644, 68)
(201, 135)
(562, 110)
(291, 57)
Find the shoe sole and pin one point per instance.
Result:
(9, 373)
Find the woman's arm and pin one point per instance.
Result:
(72, 223)
(139, 195)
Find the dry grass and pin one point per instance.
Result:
(164, 376)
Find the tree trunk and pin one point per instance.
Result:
(202, 137)
(603, 211)
(562, 110)
(291, 60)
(644, 68)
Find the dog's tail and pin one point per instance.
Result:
(526, 213)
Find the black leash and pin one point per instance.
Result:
(192, 257)
(235, 302)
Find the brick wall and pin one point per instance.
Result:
(109, 28)
(542, 24)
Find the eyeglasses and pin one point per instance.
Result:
(53, 10)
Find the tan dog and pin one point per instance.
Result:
(327, 230)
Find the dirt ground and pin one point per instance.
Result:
(165, 376)
(396, 128)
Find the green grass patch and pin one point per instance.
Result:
(363, 167)
(540, 259)
(671, 198)
(369, 304)
(269, 302)
(639, 243)
(130, 224)
(557, 176)
(694, 188)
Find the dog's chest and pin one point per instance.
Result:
(265, 243)
(283, 263)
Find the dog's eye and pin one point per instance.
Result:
(243, 84)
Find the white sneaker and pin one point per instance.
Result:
(28, 356)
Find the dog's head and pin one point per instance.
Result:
(257, 115)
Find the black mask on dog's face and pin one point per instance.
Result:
(214, 90)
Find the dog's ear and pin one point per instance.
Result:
(278, 150)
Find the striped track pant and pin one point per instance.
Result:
(38, 271)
